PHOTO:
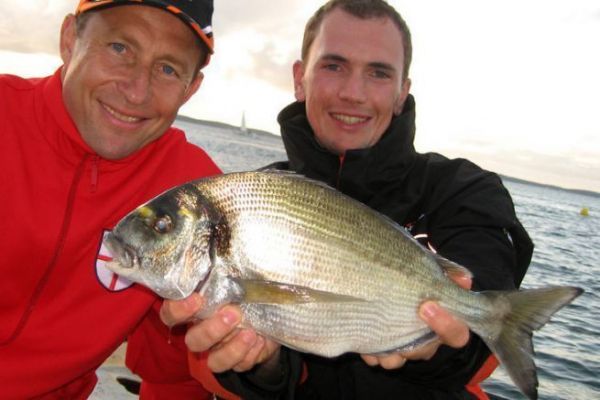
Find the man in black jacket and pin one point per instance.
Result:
(353, 128)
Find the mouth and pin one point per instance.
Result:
(129, 119)
(349, 119)
(124, 256)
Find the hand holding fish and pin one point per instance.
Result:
(230, 347)
(450, 330)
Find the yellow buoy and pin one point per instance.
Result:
(585, 211)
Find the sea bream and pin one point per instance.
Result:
(316, 270)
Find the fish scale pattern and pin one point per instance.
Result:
(283, 229)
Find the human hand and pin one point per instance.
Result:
(450, 331)
(229, 346)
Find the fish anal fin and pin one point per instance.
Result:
(428, 337)
(269, 292)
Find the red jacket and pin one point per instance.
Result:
(58, 321)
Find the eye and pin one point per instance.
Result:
(163, 225)
(118, 47)
(332, 67)
(168, 70)
(381, 74)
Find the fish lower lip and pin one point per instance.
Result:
(130, 256)
(123, 253)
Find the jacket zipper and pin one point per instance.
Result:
(94, 173)
(339, 173)
(64, 230)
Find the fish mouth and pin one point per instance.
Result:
(124, 256)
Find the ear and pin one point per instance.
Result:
(193, 87)
(68, 37)
(404, 90)
(298, 72)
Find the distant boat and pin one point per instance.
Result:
(243, 124)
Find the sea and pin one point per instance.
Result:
(567, 252)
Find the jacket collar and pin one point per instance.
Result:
(361, 173)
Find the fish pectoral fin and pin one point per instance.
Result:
(452, 269)
(269, 292)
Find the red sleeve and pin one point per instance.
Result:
(159, 356)
(202, 373)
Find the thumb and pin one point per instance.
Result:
(451, 331)
(173, 312)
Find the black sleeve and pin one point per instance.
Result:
(250, 387)
(477, 227)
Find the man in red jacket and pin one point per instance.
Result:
(80, 149)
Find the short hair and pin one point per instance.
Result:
(363, 9)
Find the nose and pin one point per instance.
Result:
(136, 84)
(353, 89)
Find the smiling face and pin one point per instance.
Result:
(126, 74)
(351, 80)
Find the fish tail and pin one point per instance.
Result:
(527, 310)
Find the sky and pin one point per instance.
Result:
(513, 85)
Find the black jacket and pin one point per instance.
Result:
(466, 214)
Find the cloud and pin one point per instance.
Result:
(273, 67)
(284, 19)
(258, 40)
(32, 26)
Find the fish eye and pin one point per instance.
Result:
(163, 224)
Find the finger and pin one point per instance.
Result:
(388, 361)
(392, 361)
(270, 351)
(173, 312)
(370, 360)
(233, 353)
(449, 329)
(252, 357)
(211, 331)
(464, 281)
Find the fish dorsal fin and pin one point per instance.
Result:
(452, 269)
(269, 292)
(272, 169)
(289, 174)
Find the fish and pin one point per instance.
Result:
(316, 270)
